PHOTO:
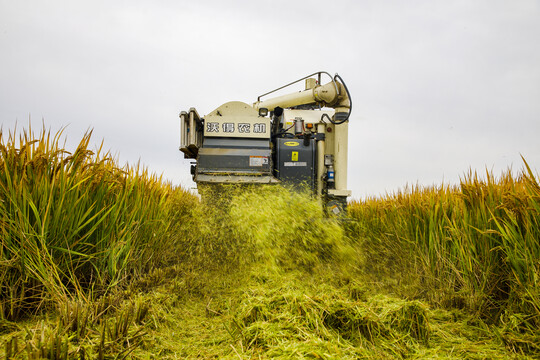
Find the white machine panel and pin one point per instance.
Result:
(237, 126)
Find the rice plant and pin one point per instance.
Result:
(475, 245)
(125, 265)
(72, 222)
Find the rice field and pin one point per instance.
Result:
(103, 261)
(476, 245)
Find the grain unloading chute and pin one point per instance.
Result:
(297, 138)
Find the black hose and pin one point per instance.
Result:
(350, 104)
(283, 134)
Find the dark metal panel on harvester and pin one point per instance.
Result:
(235, 156)
(295, 162)
(236, 143)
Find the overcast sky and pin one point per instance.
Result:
(438, 87)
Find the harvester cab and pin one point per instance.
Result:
(299, 139)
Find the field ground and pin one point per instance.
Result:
(212, 324)
(256, 314)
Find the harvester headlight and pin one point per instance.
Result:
(263, 112)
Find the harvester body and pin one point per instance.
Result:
(299, 139)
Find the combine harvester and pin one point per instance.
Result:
(299, 138)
